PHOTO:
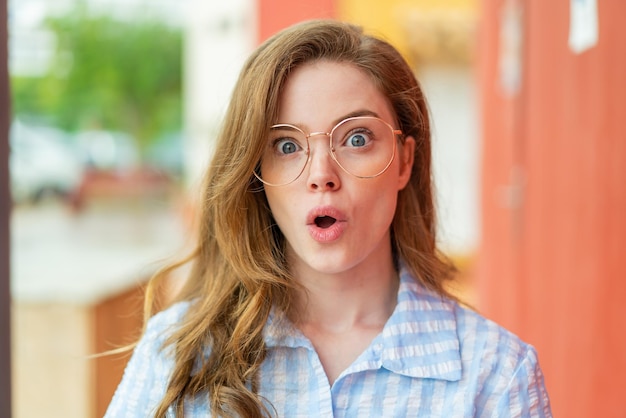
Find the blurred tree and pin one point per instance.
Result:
(108, 74)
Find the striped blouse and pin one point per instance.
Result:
(433, 358)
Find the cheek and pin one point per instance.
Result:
(280, 205)
(390, 202)
(380, 202)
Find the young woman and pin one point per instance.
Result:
(316, 287)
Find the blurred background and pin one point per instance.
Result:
(115, 105)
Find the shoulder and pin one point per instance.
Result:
(499, 372)
(476, 335)
(493, 344)
(158, 329)
(148, 371)
(504, 368)
(166, 321)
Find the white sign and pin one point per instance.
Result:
(511, 45)
(583, 29)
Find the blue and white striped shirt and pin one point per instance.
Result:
(433, 358)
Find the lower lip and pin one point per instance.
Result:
(329, 234)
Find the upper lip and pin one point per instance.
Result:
(324, 211)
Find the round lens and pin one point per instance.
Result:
(363, 146)
(285, 156)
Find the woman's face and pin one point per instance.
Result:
(335, 222)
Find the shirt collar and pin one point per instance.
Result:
(279, 331)
(420, 338)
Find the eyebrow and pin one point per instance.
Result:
(356, 113)
(353, 114)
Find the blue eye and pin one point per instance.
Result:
(287, 146)
(357, 140)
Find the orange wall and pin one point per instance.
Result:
(552, 263)
(278, 14)
(117, 321)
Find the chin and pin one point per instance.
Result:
(331, 265)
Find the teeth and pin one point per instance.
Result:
(324, 221)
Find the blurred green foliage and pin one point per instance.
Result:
(108, 74)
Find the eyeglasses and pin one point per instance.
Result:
(363, 146)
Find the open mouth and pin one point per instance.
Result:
(325, 221)
(326, 224)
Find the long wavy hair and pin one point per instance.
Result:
(238, 268)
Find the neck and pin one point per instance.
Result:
(362, 297)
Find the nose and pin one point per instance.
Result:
(322, 174)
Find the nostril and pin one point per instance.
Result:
(329, 185)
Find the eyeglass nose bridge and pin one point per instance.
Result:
(312, 134)
(317, 134)
(320, 133)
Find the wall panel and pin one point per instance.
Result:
(558, 280)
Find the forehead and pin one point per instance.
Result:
(320, 93)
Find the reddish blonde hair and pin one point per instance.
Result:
(238, 267)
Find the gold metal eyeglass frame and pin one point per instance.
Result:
(331, 149)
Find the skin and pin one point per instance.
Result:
(347, 272)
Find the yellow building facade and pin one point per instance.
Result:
(439, 31)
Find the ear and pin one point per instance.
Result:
(406, 156)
